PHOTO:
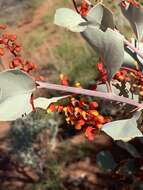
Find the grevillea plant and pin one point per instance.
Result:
(120, 84)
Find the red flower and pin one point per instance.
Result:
(89, 133)
(79, 124)
(60, 108)
(64, 80)
(51, 108)
(102, 71)
(84, 8)
(100, 67)
(1, 52)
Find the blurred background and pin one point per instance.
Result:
(54, 49)
(41, 152)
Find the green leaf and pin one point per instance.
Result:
(103, 88)
(134, 15)
(128, 167)
(101, 17)
(14, 82)
(105, 161)
(15, 107)
(123, 129)
(16, 88)
(110, 46)
(129, 148)
(45, 102)
(69, 19)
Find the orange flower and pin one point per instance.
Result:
(93, 105)
(100, 119)
(64, 80)
(94, 112)
(60, 108)
(89, 133)
(51, 108)
(79, 124)
(84, 8)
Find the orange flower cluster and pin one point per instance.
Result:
(83, 114)
(134, 77)
(8, 42)
(122, 75)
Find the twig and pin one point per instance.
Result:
(74, 90)
(131, 46)
(75, 6)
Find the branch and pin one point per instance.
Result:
(131, 46)
(89, 3)
(102, 95)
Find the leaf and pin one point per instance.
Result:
(129, 167)
(16, 88)
(18, 106)
(45, 102)
(70, 19)
(134, 15)
(101, 17)
(123, 129)
(110, 46)
(105, 161)
(14, 107)
(103, 88)
(140, 46)
(131, 59)
(129, 148)
(14, 82)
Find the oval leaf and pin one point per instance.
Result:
(129, 148)
(45, 102)
(16, 88)
(134, 15)
(14, 82)
(109, 44)
(132, 59)
(105, 161)
(103, 88)
(15, 107)
(101, 17)
(18, 106)
(123, 129)
(129, 61)
(69, 19)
